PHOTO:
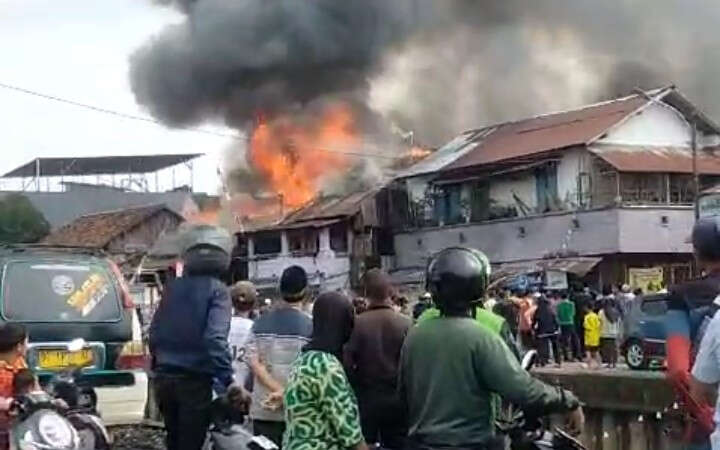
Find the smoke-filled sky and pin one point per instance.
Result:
(437, 69)
(434, 67)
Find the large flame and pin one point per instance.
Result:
(293, 156)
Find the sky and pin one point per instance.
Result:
(78, 50)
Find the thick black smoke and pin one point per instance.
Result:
(233, 59)
(435, 67)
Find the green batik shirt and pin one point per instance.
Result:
(321, 412)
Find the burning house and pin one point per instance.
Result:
(604, 191)
(334, 238)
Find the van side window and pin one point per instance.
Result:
(654, 307)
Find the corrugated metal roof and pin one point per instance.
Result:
(657, 159)
(550, 132)
(97, 230)
(329, 207)
(322, 211)
(98, 165)
(448, 153)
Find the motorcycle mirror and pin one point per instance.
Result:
(76, 345)
(529, 359)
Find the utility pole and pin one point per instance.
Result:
(696, 175)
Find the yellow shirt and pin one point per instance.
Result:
(592, 326)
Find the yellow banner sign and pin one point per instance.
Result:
(649, 279)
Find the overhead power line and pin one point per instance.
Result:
(157, 122)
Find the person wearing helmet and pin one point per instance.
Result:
(690, 308)
(189, 339)
(450, 367)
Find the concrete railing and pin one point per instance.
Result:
(624, 410)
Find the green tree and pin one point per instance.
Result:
(20, 221)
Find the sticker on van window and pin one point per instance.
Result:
(90, 294)
(63, 285)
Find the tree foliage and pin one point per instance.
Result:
(20, 221)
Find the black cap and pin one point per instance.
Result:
(293, 283)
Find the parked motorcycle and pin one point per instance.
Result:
(63, 417)
(230, 431)
(532, 433)
(39, 423)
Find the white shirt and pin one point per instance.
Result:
(237, 338)
(707, 368)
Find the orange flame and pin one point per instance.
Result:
(293, 157)
(417, 153)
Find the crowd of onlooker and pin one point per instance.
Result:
(574, 325)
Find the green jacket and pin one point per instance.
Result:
(450, 370)
(487, 319)
(566, 312)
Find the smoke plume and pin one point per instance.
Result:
(432, 67)
(234, 59)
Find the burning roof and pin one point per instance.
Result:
(325, 210)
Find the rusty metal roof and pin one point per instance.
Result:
(550, 132)
(321, 212)
(98, 230)
(329, 207)
(657, 159)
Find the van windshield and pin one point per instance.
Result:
(52, 291)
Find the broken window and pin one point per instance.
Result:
(303, 242)
(267, 243)
(339, 237)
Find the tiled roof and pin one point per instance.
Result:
(98, 230)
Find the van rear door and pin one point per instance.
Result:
(60, 300)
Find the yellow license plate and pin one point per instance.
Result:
(62, 359)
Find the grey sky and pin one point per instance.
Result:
(78, 49)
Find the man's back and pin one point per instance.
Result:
(566, 312)
(276, 339)
(446, 399)
(374, 347)
(200, 308)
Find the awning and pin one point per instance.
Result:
(318, 223)
(657, 159)
(579, 266)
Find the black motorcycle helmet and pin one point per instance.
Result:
(706, 238)
(457, 278)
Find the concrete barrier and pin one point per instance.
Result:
(624, 410)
